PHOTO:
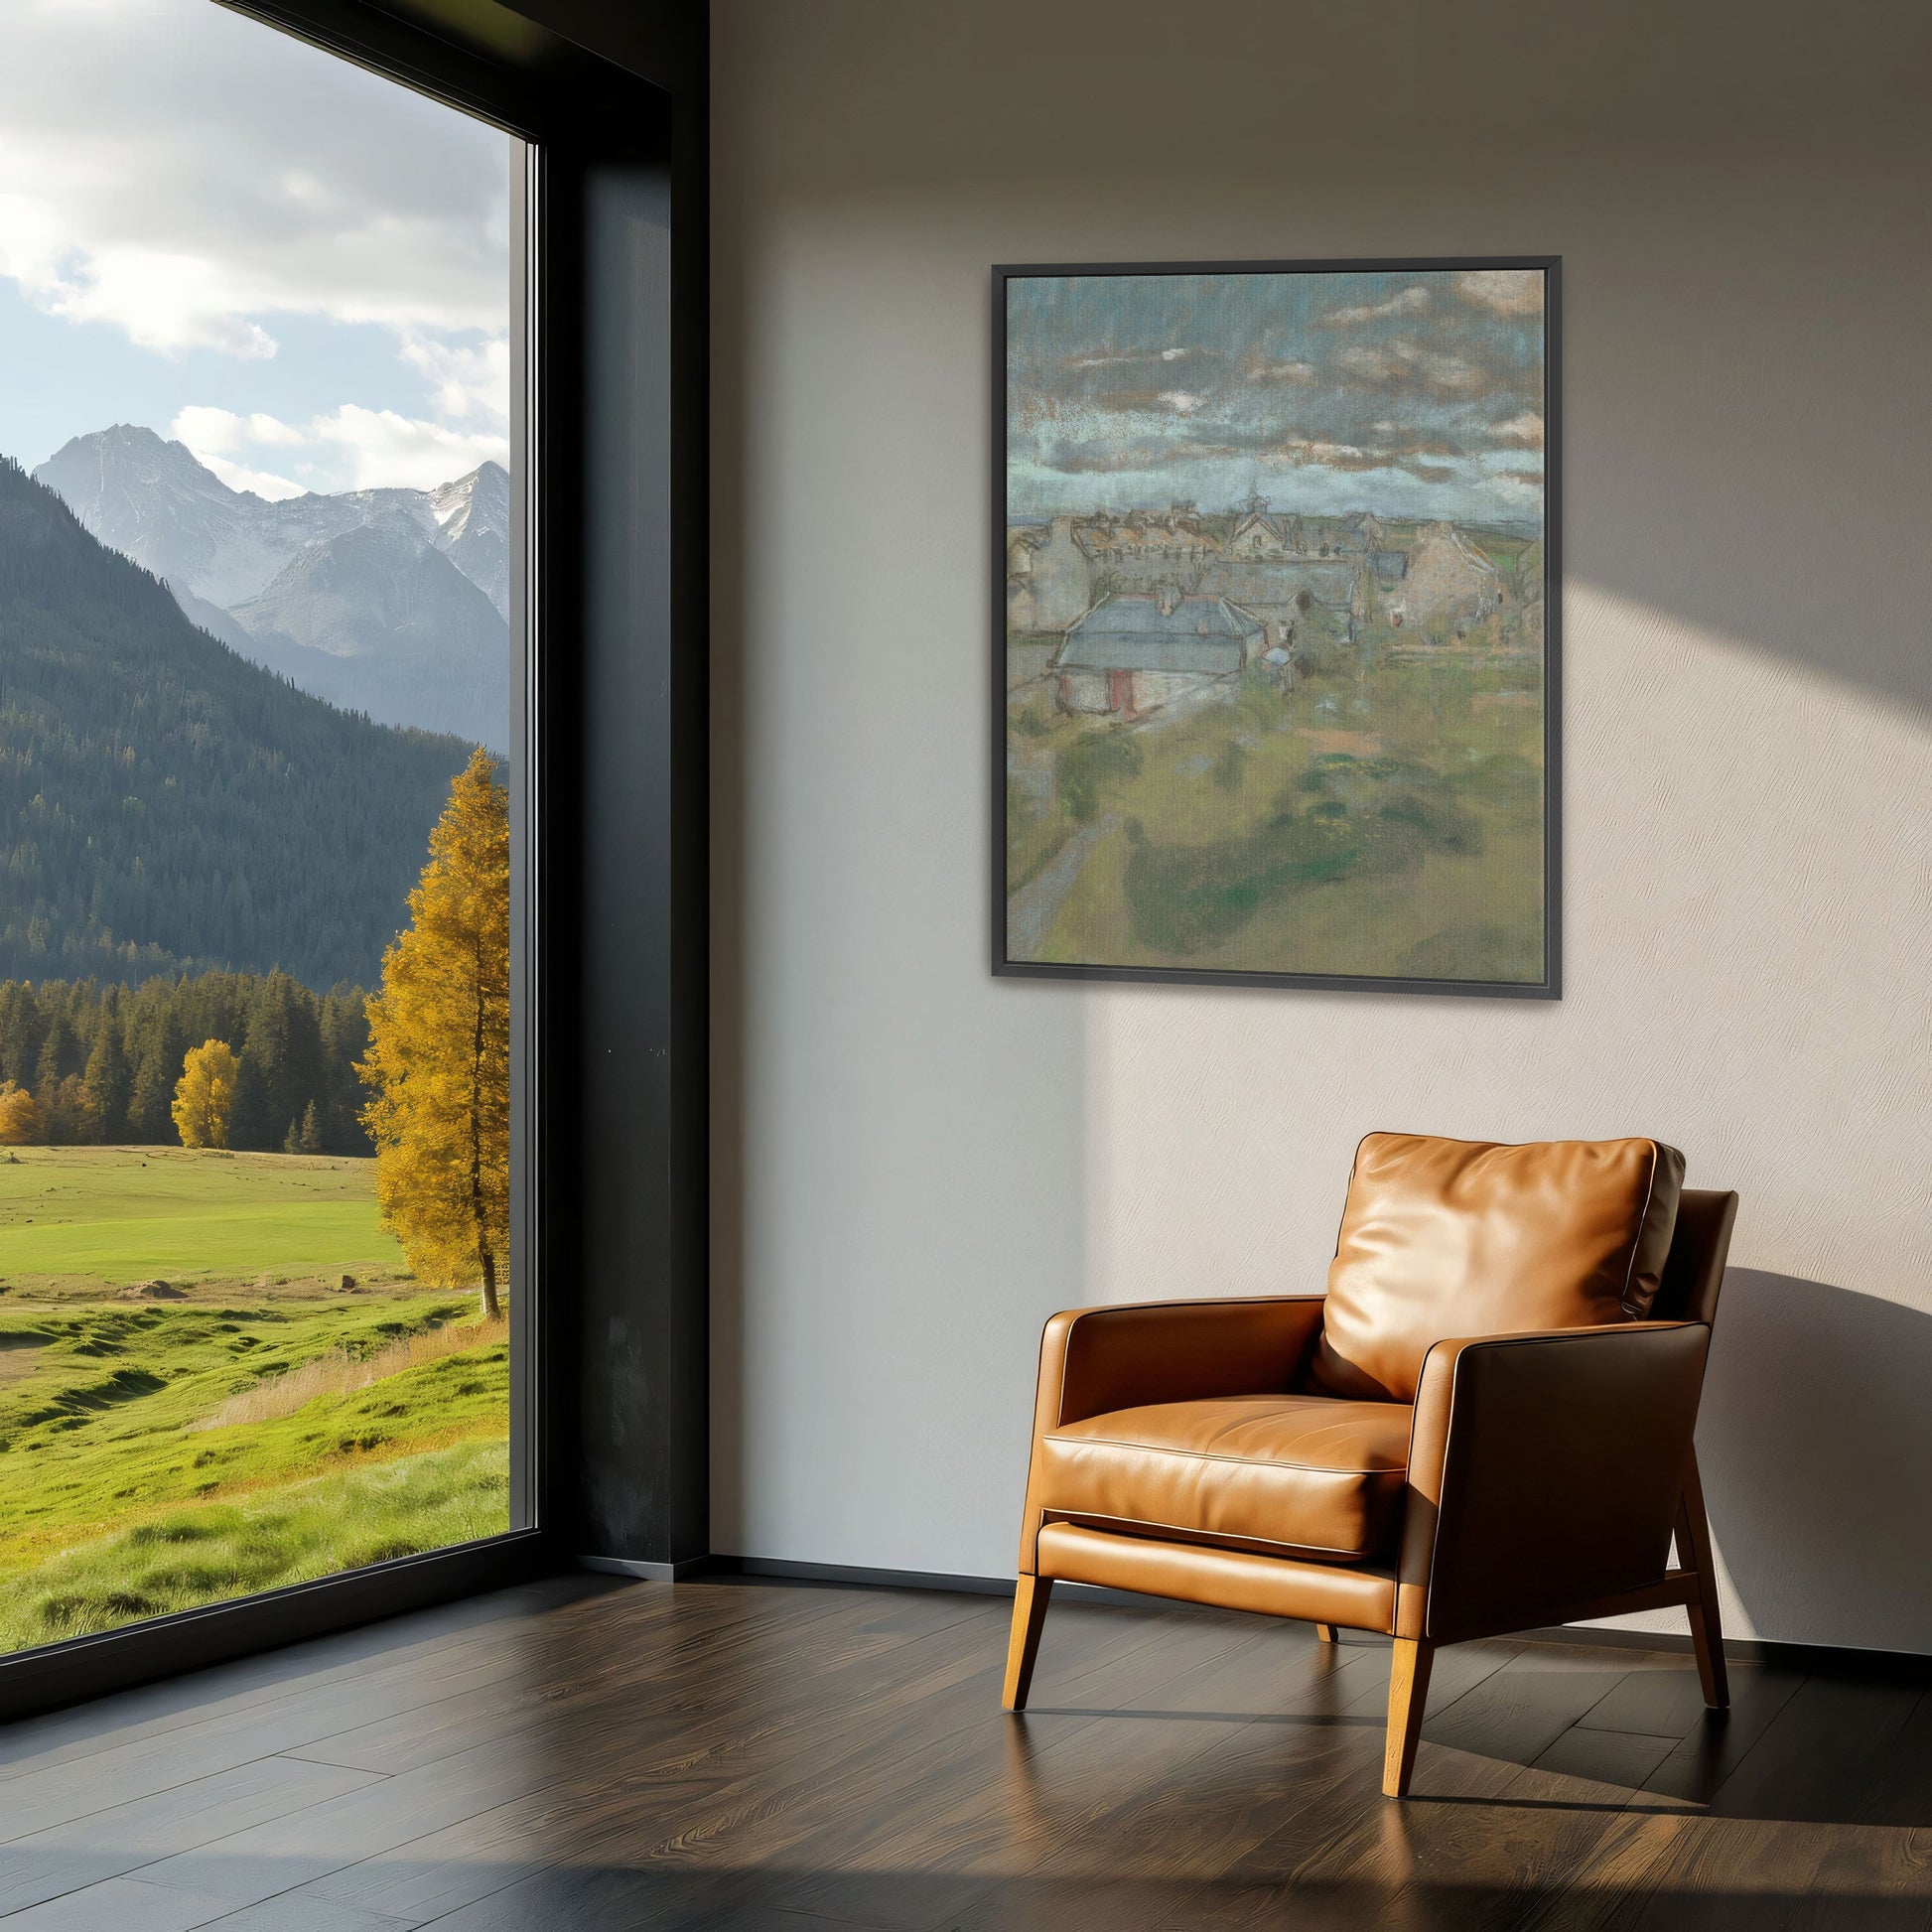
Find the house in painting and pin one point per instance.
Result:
(1190, 542)
(1529, 574)
(1259, 532)
(1448, 578)
(1136, 654)
(1049, 579)
(1359, 534)
(1529, 593)
(1097, 536)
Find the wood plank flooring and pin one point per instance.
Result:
(588, 1753)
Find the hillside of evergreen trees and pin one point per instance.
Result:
(101, 1059)
(165, 806)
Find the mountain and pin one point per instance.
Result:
(165, 805)
(473, 518)
(218, 549)
(155, 502)
(218, 622)
(376, 621)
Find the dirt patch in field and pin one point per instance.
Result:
(27, 1291)
(341, 1373)
(1362, 744)
(18, 1356)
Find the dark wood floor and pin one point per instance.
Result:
(730, 1755)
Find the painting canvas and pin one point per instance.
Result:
(1276, 636)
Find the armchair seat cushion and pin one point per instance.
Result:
(1287, 1474)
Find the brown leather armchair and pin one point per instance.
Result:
(1484, 1426)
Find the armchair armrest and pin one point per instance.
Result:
(1093, 1361)
(1543, 1471)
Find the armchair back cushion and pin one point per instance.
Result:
(1444, 1239)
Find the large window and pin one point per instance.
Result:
(261, 635)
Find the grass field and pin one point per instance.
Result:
(103, 1215)
(1385, 823)
(262, 1426)
(288, 1535)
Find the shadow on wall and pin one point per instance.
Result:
(1816, 1440)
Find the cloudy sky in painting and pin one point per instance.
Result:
(1413, 394)
(295, 267)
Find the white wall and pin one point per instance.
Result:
(915, 1163)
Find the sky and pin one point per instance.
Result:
(299, 269)
(1414, 394)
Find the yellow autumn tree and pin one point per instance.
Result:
(439, 1059)
(205, 1094)
(20, 1116)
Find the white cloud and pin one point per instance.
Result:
(1516, 491)
(218, 436)
(202, 182)
(1297, 450)
(262, 483)
(1508, 291)
(202, 428)
(1111, 358)
(1405, 360)
(1409, 302)
(1262, 369)
(346, 447)
(467, 379)
(385, 447)
(208, 431)
(224, 175)
(1181, 401)
(166, 302)
(1525, 429)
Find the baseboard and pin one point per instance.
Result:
(850, 1576)
(650, 1573)
(780, 1570)
(142, 1653)
(1676, 1641)
(1814, 1659)
(1820, 1660)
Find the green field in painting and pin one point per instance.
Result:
(1385, 822)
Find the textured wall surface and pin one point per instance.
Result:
(917, 1163)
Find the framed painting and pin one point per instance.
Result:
(1276, 662)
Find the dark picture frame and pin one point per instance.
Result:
(1547, 985)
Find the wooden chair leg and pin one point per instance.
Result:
(1324, 1633)
(1408, 1694)
(1023, 1645)
(1694, 1551)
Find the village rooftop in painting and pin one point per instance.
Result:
(1277, 631)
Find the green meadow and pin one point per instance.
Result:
(107, 1217)
(290, 1403)
(1383, 821)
